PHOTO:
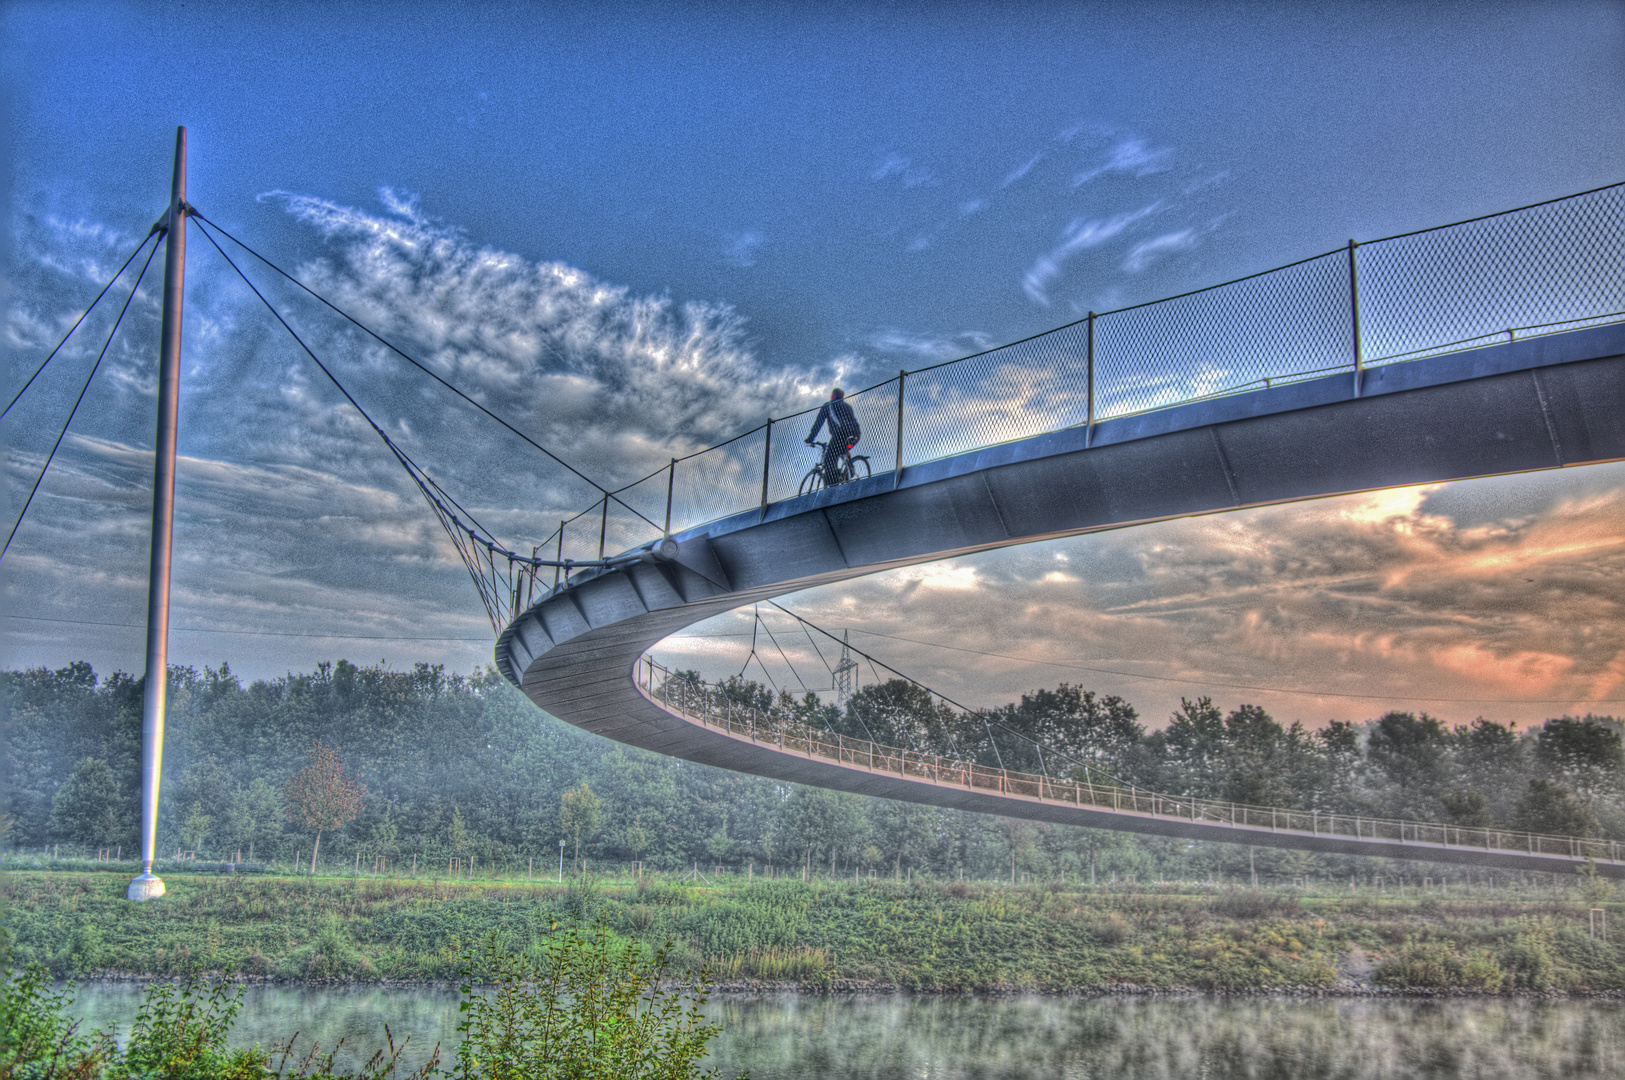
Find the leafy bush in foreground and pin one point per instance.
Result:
(585, 1005)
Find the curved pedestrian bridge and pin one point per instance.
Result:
(1487, 347)
(1525, 405)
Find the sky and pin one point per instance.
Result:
(637, 230)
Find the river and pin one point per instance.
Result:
(790, 1037)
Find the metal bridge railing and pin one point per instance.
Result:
(1543, 269)
(710, 707)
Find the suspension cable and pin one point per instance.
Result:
(82, 391)
(84, 315)
(432, 492)
(416, 363)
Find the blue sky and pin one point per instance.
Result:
(707, 212)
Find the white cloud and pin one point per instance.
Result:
(1022, 170)
(1128, 156)
(1079, 235)
(617, 379)
(739, 249)
(895, 165)
(1147, 252)
(922, 349)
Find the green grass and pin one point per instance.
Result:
(925, 936)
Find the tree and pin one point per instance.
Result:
(321, 796)
(1468, 807)
(637, 840)
(385, 836)
(457, 833)
(580, 812)
(813, 819)
(719, 845)
(1550, 808)
(195, 827)
(904, 830)
(91, 808)
(1585, 755)
(1413, 753)
(254, 815)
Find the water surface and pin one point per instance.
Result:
(834, 1038)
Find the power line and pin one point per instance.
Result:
(253, 633)
(38, 480)
(1240, 686)
(82, 317)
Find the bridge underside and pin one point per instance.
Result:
(1532, 405)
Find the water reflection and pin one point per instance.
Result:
(819, 1038)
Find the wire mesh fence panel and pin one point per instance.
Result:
(637, 514)
(625, 530)
(1033, 386)
(723, 480)
(581, 535)
(1247, 335)
(1544, 269)
(792, 460)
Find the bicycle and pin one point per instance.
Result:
(848, 466)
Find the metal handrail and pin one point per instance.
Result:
(709, 706)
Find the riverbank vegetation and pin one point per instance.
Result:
(578, 1002)
(940, 936)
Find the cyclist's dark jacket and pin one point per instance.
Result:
(838, 415)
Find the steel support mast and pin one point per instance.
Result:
(147, 886)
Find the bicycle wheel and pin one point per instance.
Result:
(812, 481)
(857, 467)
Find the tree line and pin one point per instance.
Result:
(448, 766)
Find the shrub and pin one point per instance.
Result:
(1254, 904)
(588, 1006)
(1435, 965)
(1113, 929)
(639, 918)
(36, 1036)
(83, 953)
(582, 899)
(1528, 957)
(806, 965)
(329, 955)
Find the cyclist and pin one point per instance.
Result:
(844, 434)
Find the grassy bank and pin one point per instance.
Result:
(954, 936)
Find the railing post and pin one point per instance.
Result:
(1354, 314)
(767, 458)
(671, 482)
(603, 528)
(1089, 365)
(897, 474)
